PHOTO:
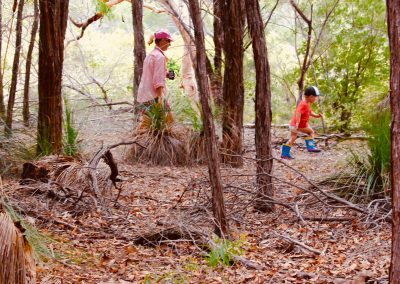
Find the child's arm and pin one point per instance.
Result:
(313, 114)
(298, 116)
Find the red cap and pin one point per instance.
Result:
(163, 34)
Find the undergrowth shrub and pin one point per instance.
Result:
(16, 150)
(39, 242)
(367, 174)
(162, 140)
(223, 252)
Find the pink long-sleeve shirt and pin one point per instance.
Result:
(153, 76)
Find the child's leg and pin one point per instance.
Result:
(286, 148)
(293, 135)
(308, 130)
(310, 143)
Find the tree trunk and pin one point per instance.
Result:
(263, 106)
(2, 107)
(53, 23)
(35, 25)
(180, 17)
(393, 8)
(221, 225)
(14, 77)
(216, 83)
(233, 89)
(139, 49)
(306, 60)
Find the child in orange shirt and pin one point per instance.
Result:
(299, 123)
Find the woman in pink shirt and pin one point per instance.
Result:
(152, 84)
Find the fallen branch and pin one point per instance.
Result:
(311, 249)
(104, 153)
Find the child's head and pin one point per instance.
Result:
(311, 94)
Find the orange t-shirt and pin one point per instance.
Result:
(305, 109)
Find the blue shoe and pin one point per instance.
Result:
(311, 147)
(286, 152)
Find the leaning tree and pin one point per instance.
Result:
(53, 24)
(393, 8)
(15, 68)
(221, 225)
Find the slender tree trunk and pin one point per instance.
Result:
(393, 8)
(14, 78)
(306, 59)
(2, 107)
(216, 83)
(221, 225)
(181, 19)
(233, 89)
(263, 106)
(35, 26)
(53, 23)
(139, 49)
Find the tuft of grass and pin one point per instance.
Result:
(223, 252)
(367, 174)
(38, 241)
(16, 150)
(70, 133)
(163, 142)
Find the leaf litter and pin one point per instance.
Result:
(98, 244)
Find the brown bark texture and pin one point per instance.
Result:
(216, 83)
(221, 225)
(2, 107)
(263, 106)
(393, 11)
(139, 49)
(15, 68)
(233, 87)
(35, 26)
(53, 23)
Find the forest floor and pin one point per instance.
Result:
(100, 244)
